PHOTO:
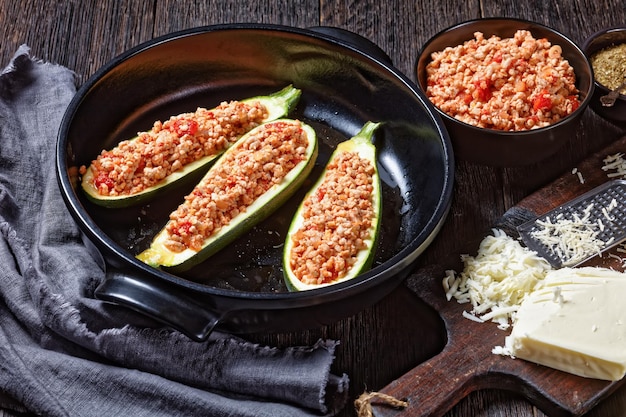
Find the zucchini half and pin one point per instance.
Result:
(278, 104)
(362, 144)
(159, 255)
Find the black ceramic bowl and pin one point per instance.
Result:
(596, 42)
(502, 148)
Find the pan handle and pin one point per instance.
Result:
(361, 43)
(160, 301)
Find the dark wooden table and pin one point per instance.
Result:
(388, 339)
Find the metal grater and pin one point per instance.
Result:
(608, 231)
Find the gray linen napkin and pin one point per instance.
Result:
(62, 352)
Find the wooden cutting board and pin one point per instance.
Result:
(466, 363)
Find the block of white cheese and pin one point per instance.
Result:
(576, 322)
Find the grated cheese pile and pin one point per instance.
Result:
(496, 280)
(574, 239)
(615, 163)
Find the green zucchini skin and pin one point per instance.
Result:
(278, 104)
(361, 143)
(158, 255)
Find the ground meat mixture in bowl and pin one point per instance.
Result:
(511, 92)
(516, 83)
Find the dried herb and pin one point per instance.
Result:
(609, 65)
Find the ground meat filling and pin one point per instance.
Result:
(135, 165)
(337, 222)
(229, 188)
(511, 84)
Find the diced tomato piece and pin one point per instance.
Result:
(183, 229)
(103, 179)
(542, 101)
(321, 192)
(483, 89)
(185, 127)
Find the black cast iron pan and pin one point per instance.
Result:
(241, 289)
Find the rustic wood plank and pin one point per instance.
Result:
(82, 36)
(172, 15)
(398, 27)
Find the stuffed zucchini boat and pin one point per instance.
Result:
(251, 180)
(334, 232)
(138, 168)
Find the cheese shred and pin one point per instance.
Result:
(575, 238)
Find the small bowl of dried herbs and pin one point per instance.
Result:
(606, 51)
